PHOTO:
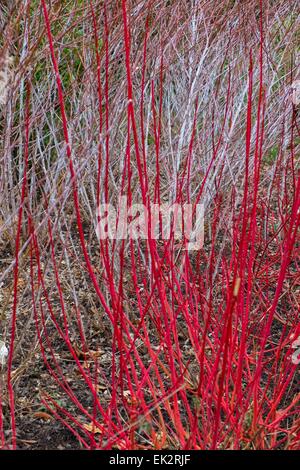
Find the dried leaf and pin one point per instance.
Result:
(92, 428)
(42, 415)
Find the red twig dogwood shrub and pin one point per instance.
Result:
(138, 341)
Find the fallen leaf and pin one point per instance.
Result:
(92, 428)
(42, 415)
